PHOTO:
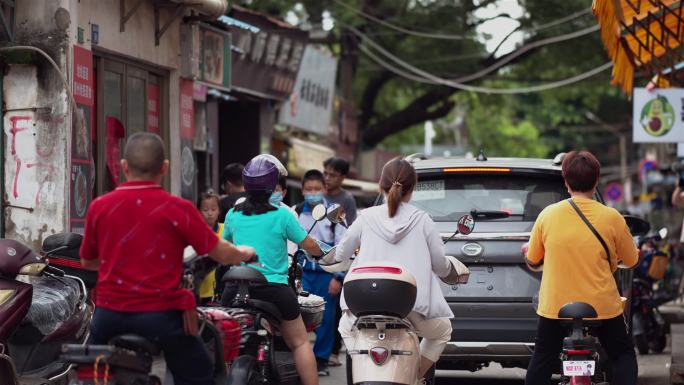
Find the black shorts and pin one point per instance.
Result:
(280, 295)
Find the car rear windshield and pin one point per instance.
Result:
(447, 197)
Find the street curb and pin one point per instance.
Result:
(677, 366)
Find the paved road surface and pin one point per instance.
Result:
(653, 370)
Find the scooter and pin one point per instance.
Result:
(649, 328)
(41, 308)
(264, 358)
(381, 295)
(584, 362)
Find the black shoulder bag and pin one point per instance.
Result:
(593, 230)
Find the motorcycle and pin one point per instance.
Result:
(264, 358)
(40, 309)
(649, 328)
(386, 349)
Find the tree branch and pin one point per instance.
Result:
(370, 93)
(420, 110)
(482, 21)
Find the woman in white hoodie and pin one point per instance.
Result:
(400, 232)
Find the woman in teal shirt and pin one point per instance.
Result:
(267, 228)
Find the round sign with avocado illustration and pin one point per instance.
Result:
(657, 116)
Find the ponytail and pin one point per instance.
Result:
(397, 181)
(394, 197)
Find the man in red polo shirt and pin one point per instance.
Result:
(134, 237)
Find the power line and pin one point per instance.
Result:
(498, 64)
(431, 79)
(452, 36)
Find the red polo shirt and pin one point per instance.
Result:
(138, 232)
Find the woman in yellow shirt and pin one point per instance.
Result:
(577, 268)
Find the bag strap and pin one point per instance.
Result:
(593, 230)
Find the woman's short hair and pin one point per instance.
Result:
(581, 170)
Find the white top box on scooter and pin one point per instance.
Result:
(380, 288)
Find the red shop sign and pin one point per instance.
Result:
(187, 110)
(153, 108)
(83, 77)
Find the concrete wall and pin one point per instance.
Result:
(35, 155)
(35, 125)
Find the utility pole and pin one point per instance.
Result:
(622, 137)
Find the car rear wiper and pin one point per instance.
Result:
(489, 214)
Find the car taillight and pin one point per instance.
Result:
(377, 269)
(379, 355)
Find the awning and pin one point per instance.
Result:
(641, 35)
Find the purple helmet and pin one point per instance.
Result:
(260, 174)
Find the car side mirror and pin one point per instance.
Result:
(637, 226)
(319, 212)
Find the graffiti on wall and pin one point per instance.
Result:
(33, 166)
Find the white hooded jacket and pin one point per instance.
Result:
(410, 239)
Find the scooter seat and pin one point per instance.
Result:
(243, 273)
(577, 310)
(266, 307)
(136, 343)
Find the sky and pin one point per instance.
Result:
(500, 27)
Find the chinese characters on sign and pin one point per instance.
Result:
(153, 108)
(83, 76)
(268, 55)
(81, 182)
(187, 114)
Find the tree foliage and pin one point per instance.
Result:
(392, 109)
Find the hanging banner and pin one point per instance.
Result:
(310, 104)
(658, 115)
(82, 166)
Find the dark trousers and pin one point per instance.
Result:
(613, 336)
(186, 357)
(337, 345)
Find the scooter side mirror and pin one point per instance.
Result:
(319, 212)
(335, 213)
(466, 224)
(663, 233)
(637, 226)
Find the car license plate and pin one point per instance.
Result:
(579, 368)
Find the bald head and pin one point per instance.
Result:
(144, 154)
